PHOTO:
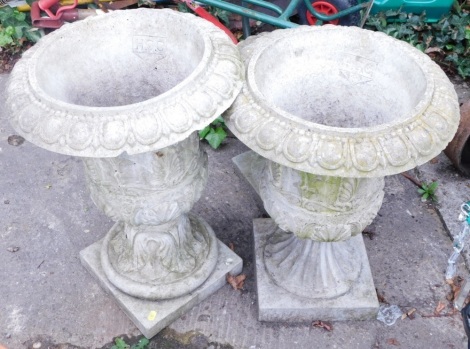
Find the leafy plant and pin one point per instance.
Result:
(121, 344)
(446, 41)
(214, 133)
(16, 29)
(428, 191)
(146, 3)
(220, 14)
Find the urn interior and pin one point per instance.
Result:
(100, 71)
(339, 82)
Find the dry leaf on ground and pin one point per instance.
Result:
(393, 341)
(455, 284)
(323, 324)
(236, 282)
(231, 246)
(432, 50)
(440, 307)
(409, 313)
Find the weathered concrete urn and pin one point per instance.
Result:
(329, 111)
(127, 91)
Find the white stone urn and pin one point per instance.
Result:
(127, 91)
(329, 111)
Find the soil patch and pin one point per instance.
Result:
(8, 60)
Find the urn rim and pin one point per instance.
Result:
(374, 151)
(153, 123)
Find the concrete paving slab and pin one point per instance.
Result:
(46, 294)
(151, 317)
(453, 190)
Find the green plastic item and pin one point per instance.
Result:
(434, 9)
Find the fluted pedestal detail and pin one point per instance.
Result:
(310, 268)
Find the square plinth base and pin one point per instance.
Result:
(277, 304)
(142, 312)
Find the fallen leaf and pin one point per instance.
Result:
(440, 307)
(452, 295)
(323, 324)
(15, 140)
(432, 50)
(393, 341)
(429, 39)
(13, 249)
(455, 284)
(409, 314)
(231, 246)
(236, 282)
(434, 161)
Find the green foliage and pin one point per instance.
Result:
(146, 3)
(428, 191)
(15, 29)
(182, 7)
(215, 133)
(446, 41)
(119, 343)
(220, 14)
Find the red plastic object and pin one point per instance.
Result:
(47, 22)
(325, 8)
(54, 20)
(201, 12)
(46, 5)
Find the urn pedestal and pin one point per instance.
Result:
(127, 92)
(329, 111)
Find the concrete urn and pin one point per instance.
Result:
(329, 111)
(127, 91)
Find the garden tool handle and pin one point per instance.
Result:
(45, 5)
(65, 8)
